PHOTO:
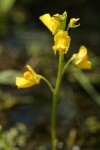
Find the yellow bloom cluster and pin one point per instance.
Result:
(57, 25)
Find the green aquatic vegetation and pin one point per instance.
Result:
(13, 138)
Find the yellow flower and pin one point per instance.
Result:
(72, 23)
(55, 23)
(29, 79)
(62, 42)
(80, 59)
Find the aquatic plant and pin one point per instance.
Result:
(60, 31)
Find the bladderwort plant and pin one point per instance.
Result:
(59, 29)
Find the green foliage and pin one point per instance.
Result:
(84, 81)
(8, 76)
(88, 130)
(7, 101)
(13, 138)
(6, 5)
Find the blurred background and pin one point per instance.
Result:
(25, 114)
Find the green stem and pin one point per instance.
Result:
(66, 65)
(48, 83)
(55, 101)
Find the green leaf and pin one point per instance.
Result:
(8, 76)
(6, 5)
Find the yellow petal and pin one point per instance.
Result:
(50, 22)
(84, 65)
(30, 69)
(80, 59)
(82, 51)
(46, 19)
(82, 55)
(23, 83)
(55, 23)
(62, 42)
(29, 78)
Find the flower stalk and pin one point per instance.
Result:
(48, 83)
(55, 102)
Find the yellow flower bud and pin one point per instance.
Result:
(29, 79)
(72, 23)
(80, 59)
(62, 42)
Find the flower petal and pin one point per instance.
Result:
(30, 69)
(29, 78)
(23, 83)
(85, 65)
(82, 51)
(55, 23)
(80, 59)
(46, 19)
(62, 42)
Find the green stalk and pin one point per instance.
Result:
(55, 102)
(67, 63)
(48, 83)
